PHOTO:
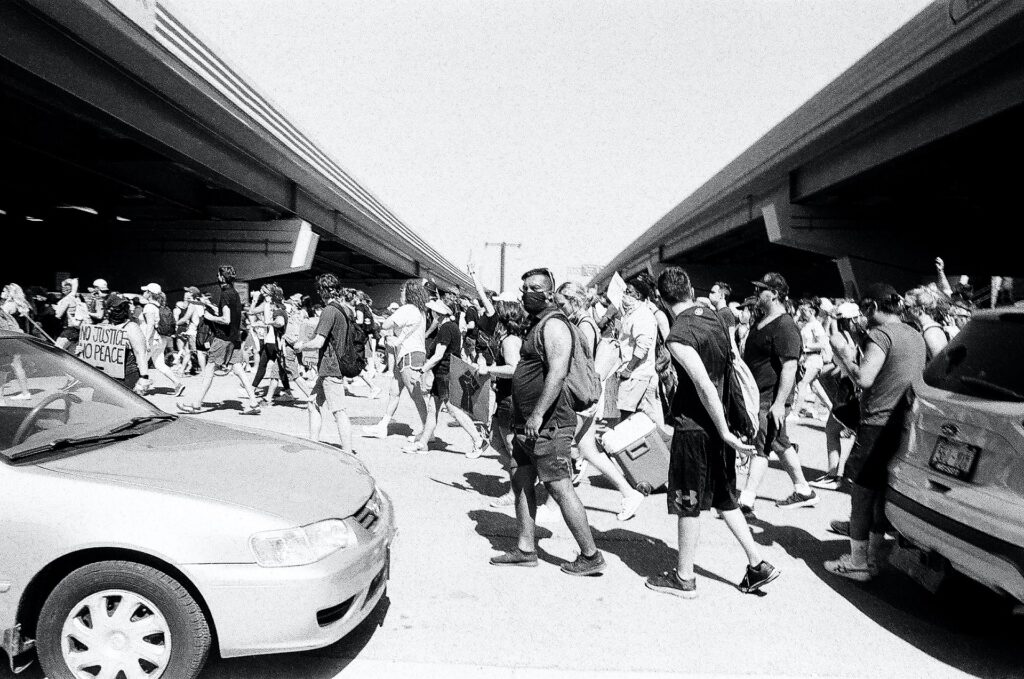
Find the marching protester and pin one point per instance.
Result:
(638, 388)
(136, 355)
(771, 351)
(447, 342)
(72, 312)
(268, 322)
(158, 328)
(407, 327)
(923, 307)
(893, 360)
(225, 345)
(572, 299)
(702, 467)
(544, 425)
(14, 317)
(363, 306)
(331, 335)
(719, 298)
(816, 353)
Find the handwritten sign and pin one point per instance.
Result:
(616, 288)
(104, 347)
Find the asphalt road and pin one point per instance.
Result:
(448, 613)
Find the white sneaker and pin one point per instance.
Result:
(630, 504)
(375, 431)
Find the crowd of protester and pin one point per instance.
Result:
(658, 348)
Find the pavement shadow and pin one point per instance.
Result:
(644, 555)
(502, 531)
(981, 637)
(322, 663)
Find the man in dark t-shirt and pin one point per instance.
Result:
(719, 297)
(702, 463)
(225, 347)
(772, 350)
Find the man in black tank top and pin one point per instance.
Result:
(544, 424)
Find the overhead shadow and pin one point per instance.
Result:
(964, 625)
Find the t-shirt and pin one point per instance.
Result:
(472, 316)
(639, 332)
(904, 364)
(813, 333)
(230, 332)
(697, 327)
(410, 327)
(333, 325)
(768, 348)
(448, 334)
(150, 320)
(728, 317)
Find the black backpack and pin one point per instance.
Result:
(352, 360)
(165, 326)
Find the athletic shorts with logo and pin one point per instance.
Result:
(550, 453)
(701, 474)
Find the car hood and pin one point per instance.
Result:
(297, 480)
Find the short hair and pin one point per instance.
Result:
(328, 285)
(541, 272)
(227, 272)
(724, 288)
(512, 316)
(674, 285)
(644, 284)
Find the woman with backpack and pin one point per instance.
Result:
(571, 297)
(158, 329)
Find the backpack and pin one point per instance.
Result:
(582, 385)
(352, 361)
(165, 326)
(204, 335)
(741, 399)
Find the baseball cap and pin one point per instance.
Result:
(152, 288)
(115, 300)
(880, 292)
(748, 302)
(440, 307)
(393, 307)
(773, 281)
(99, 284)
(826, 305)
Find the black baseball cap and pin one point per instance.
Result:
(881, 292)
(773, 281)
(749, 301)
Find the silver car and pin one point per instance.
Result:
(131, 538)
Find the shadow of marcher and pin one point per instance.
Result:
(318, 664)
(964, 625)
(644, 555)
(502, 531)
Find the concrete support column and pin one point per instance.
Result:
(857, 274)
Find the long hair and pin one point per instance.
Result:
(512, 316)
(922, 300)
(416, 295)
(13, 292)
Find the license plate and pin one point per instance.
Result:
(955, 458)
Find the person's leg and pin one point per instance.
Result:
(759, 461)
(689, 535)
(524, 478)
(466, 422)
(419, 399)
(587, 444)
(271, 390)
(862, 514)
(758, 469)
(791, 463)
(239, 371)
(19, 374)
(833, 443)
(207, 374)
(157, 356)
(261, 368)
(430, 424)
(574, 513)
(334, 397)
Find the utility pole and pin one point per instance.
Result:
(504, 247)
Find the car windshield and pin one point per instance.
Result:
(51, 400)
(983, 360)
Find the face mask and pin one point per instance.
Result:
(629, 303)
(118, 315)
(535, 302)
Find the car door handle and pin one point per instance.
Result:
(938, 487)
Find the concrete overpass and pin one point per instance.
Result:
(135, 153)
(912, 153)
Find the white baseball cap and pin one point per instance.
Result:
(152, 288)
(99, 284)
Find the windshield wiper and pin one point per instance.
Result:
(118, 433)
(992, 386)
(143, 419)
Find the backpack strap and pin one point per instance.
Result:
(539, 330)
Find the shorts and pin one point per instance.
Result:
(638, 394)
(701, 474)
(440, 388)
(291, 362)
(770, 439)
(874, 448)
(329, 391)
(224, 354)
(407, 377)
(71, 333)
(550, 453)
(812, 363)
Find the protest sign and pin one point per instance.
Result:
(469, 390)
(104, 347)
(616, 288)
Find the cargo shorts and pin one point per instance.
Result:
(550, 453)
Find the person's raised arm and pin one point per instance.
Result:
(940, 270)
(557, 347)
(481, 293)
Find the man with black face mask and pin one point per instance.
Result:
(544, 424)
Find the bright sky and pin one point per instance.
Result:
(570, 127)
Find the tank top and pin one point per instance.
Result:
(131, 365)
(528, 380)
(502, 387)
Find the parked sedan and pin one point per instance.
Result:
(957, 485)
(131, 537)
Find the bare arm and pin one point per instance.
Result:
(935, 338)
(510, 350)
(688, 357)
(480, 292)
(435, 359)
(940, 270)
(557, 347)
(223, 319)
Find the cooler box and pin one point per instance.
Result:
(638, 446)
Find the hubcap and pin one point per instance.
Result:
(116, 633)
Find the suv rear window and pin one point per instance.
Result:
(985, 360)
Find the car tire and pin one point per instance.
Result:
(156, 600)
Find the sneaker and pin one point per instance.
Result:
(179, 390)
(758, 576)
(826, 482)
(580, 472)
(477, 450)
(415, 448)
(630, 504)
(844, 567)
(506, 500)
(515, 557)
(250, 410)
(669, 582)
(584, 566)
(798, 500)
(840, 528)
(376, 431)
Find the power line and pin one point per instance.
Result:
(504, 247)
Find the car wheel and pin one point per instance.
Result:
(120, 618)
